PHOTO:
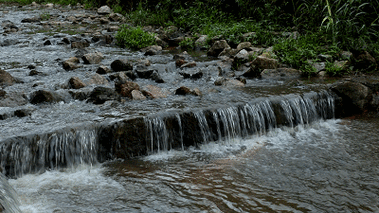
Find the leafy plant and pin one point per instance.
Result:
(45, 16)
(334, 70)
(134, 37)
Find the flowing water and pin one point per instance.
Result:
(327, 166)
(270, 146)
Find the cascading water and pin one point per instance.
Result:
(241, 121)
(9, 202)
(60, 149)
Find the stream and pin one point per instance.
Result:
(245, 161)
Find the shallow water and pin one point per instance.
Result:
(328, 166)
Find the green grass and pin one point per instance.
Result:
(134, 37)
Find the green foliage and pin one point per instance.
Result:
(45, 16)
(187, 43)
(334, 70)
(134, 37)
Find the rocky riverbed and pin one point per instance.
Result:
(60, 67)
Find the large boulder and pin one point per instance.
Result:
(362, 60)
(6, 79)
(355, 98)
(121, 65)
(217, 48)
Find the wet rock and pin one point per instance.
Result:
(183, 91)
(131, 74)
(34, 73)
(66, 41)
(47, 43)
(71, 64)
(9, 26)
(220, 81)
(152, 50)
(119, 77)
(190, 74)
(239, 59)
(362, 60)
(234, 83)
(108, 39)
(180, 62)
(281, 73)
(80, 53)
(103, 70)
(31, 20)
(125, 88)
(100, 95)
(228, 52)
(217, 48)
(153, 92)
(104, 10)
(23, 112)
(43, 96)
(137, 95)
(144, 73)
(319, 66)
(93, 58)
(2, 93)
(241, 79)
(196, 92)
(31, 66)
(155, 76)
(76, 83)
(6, 79)
(98, 80)
(188, 65)
(121, 65)
(79, 44)
(253, 72)
(9, 42)
(160, 42)
(113, 29)
(144, 62)
(355, 97)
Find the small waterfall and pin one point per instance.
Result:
(229, 124)
(9, 202)
(60, 149)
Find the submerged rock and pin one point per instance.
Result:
(43, 96)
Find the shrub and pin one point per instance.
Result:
(134, 37)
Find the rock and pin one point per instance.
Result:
(131, 74)
(71, 63)
(196, 92)
(189, 65)
(180, 62)
(137, 95)
(281, 73)
(241, 79)
(104, 10)
(80, 53)
(346, 55)
(156, 77)
(47, 43)
(31, 20)
(152, 50)
(98, 80)
(153, 92)
(201, 42)
(355, 97)
(76, 83)
(217, 48)
(327, 58)
(99, 95)
(144, 62)
(160, 42)
(121, 65)
(228, 52)
(104, 20)
(22, 112)
(220, 81)
(31, 66)
(103, 70)
(183, 91)
(263, 62)
(253, 72)
(144, 73)
(362, 60)
(79, 44)
(112, 29)
(34, 73)
(93, 58)
(193, 75)
(6, 79)
(319, 66)
(243, 45)
(116, 17)
(234, 83)
(43, 96)
(2, 93)
(119, 77)
(239, 59)
(125, 88)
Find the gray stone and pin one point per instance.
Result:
(121, 65)
(104, 10)
(217, 48)
(93, 58)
